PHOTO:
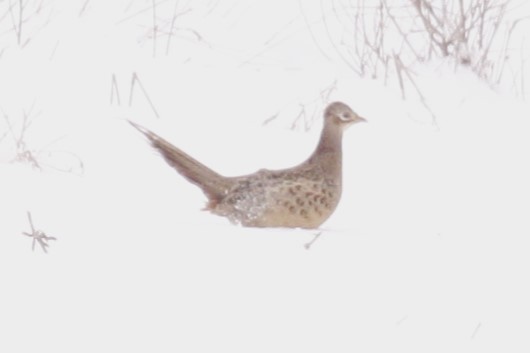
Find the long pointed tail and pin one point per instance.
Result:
(213, 184)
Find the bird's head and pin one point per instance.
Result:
(342, 115)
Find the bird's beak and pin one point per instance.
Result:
(361, 119)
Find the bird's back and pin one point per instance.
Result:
(303, 196)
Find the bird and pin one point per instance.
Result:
(303, 196)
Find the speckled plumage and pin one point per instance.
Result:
(303, 196)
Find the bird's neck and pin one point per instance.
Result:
(329, 150)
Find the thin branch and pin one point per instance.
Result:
(83, 8)
(20, 15)
(114, 90)
(399, 68)
(172, 27)
(418, 91)
(308, 26)
(137, 13)
(332, 41)
(475, 331)
(134, 80)
(155, 28)
(310, 243)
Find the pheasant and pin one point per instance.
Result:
(303, 196)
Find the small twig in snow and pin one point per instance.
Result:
(23, 153)
(171, 27)
(401, 320)
(309, 244)
(38, 236)
(155, 29)
(475, 331)
(83, 8)
(133, 81)
(114, 90)
(271, 118)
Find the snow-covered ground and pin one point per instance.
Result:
(427, 252)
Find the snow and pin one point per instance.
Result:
(427, 252)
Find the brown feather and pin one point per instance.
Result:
(212, 184)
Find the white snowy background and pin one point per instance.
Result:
(428, 251)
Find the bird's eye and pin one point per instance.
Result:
(345, 116)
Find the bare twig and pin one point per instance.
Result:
(140, 12)
(5, 134)
(419, 92)
(17, 22)
(134, 80)
(172, 27)
(114, 90)
(163, 22)
(24, 18)
(475, 331)
(276, 39)
(155, 28)
(326, 92)
(310, 30)
(38, 236)
(402, 320)
(37, 157)
(76, 165)
(522, 74)
(83, 8)
(265, 122)
(303, 116)
(404, 35)
(23, 153)
(309, 244)
(399, 69)
(20, 16)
